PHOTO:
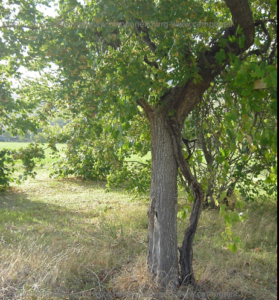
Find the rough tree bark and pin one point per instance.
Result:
(162, 256)
(167, 156)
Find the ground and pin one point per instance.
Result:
(70, 239)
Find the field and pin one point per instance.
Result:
(16, 146)
(69, 239)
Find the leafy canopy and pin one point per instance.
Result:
(95, 62)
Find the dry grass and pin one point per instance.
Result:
(69, 239)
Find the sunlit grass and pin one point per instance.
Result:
(140, 159)
(17, 145)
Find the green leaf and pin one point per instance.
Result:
(235, 217)
(233, 247)
(259, 72)
(222, 208)
(126, 146)
(220, 56)
(241, 41)
(231, 116)
(138, 146)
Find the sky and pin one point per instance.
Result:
(48, 11)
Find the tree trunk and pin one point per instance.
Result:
(162, 251)
(186, 251)
(209, 201)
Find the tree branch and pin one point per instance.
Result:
(265, 48)
(242, 16)
(145, 37)
(150, 63)
(146, 107)
(189, 95)
(207, 155)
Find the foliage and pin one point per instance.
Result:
(236, 132)
(95, 58)
(237, 140)
(93, 154)
(232, 155)
(136, 176)
(231, 218)
(6, 168)
(86, 160)
(8, 159)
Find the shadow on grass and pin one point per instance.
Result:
(24, 213)
(60, 248)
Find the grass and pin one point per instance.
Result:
(17, 145)
(140, 159)
(69, 239)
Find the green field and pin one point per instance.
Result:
(70, 239)
(17, 145)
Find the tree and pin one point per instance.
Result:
(159, 58)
